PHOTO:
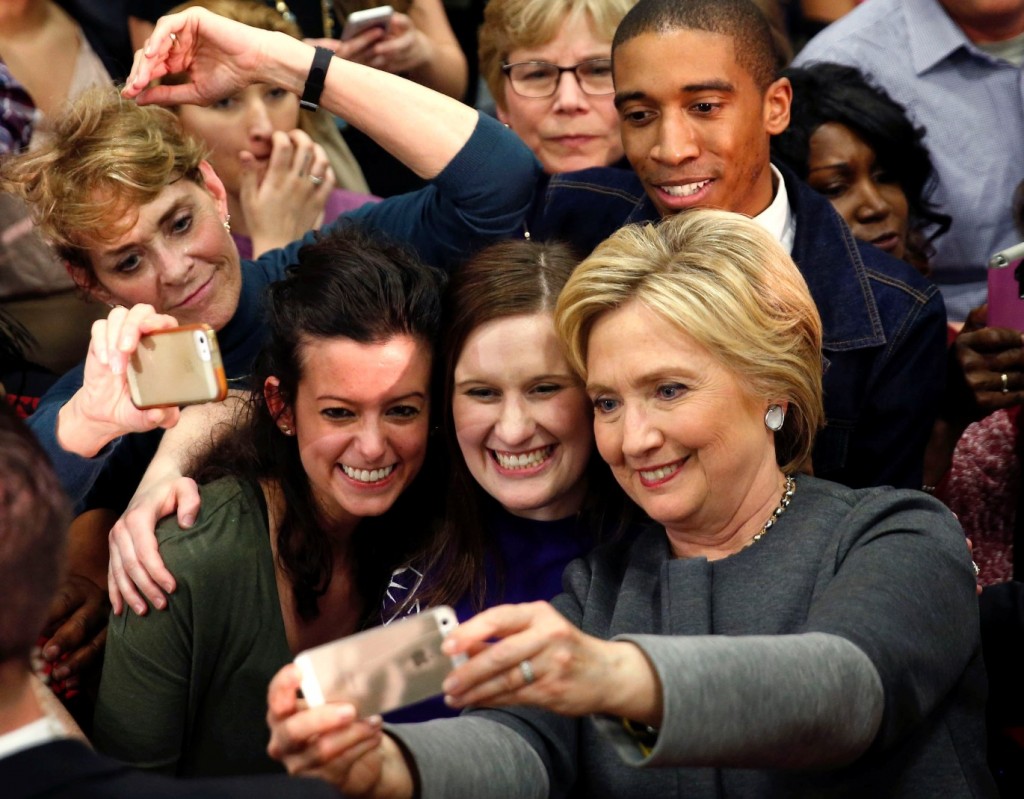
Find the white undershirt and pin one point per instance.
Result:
(35, 733)
(777, 218)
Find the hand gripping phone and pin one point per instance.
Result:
(359, 21)
(177, 366)
(384, 668)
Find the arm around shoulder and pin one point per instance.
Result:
(142, 706)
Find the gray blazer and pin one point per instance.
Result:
(838, 656)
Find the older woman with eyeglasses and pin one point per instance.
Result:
(527, 47)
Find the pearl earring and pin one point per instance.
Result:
(774, 418)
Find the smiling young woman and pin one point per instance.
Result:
(526, 495)
(307, 508)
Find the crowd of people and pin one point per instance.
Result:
(666, 364)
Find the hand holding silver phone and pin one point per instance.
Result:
(177, 366)
(359, 21)
(384, 668)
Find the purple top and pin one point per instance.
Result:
(533, 553)
(338, 202)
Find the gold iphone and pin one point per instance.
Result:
(177, 366)
(384, 668)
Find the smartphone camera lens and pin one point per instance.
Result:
(202, 345)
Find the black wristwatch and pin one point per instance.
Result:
(315, 80)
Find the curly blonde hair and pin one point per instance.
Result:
(724, 281)
(107, 157)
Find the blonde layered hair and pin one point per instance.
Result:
(511, 24)
(108, 157)
(319, 124)
(725, 282)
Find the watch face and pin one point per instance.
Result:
(315, 80)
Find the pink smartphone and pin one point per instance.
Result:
(384, 668)
(1005, 287)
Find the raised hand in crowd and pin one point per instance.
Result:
(284, 203)
(102, 409)
(984, 355)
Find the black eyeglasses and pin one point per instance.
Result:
(540, 79)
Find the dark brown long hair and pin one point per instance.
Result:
(346, 285)
(510, 278)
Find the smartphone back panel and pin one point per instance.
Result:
(381, 669)
(179, 366)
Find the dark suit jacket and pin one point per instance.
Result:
(68, 768)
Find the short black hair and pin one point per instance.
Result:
(753, 40)
(825, 92)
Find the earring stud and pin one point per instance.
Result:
(227, 223)
(774, 418)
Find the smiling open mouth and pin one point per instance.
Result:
(522, 460)
(652, 476)
(686, 189)
(368, 475)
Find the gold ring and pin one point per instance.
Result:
(1006, 386)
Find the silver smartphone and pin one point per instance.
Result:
(177, 366)
(359, 21)
(384, 668)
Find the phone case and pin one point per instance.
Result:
(179, 366)
(1005, 306)
(384, 668)
(359, 21)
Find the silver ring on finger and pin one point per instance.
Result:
(1004, 378)
(526, 668)
(316, 180)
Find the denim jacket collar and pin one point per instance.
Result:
(830, 261)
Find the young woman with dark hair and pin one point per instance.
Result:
(527, 494)
(306, 510)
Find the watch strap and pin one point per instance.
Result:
(315, 80)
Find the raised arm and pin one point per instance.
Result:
(422, 128)
(90, 408)
(466, 155)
